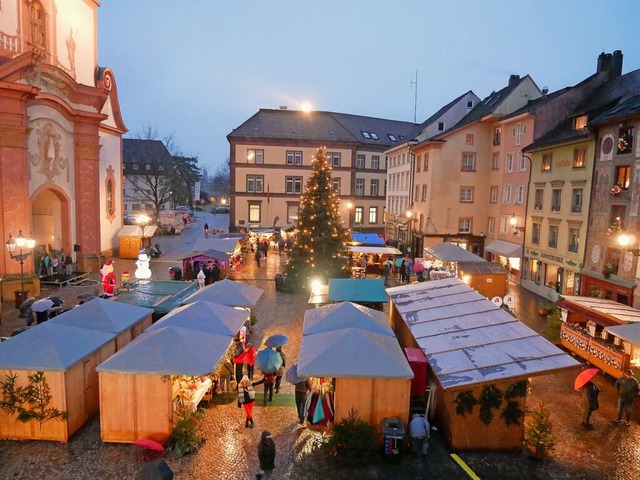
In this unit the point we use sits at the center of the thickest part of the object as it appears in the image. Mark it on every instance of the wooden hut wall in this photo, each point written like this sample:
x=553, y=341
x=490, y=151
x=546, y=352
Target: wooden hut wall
x=490, y=284
x=125, y=337
x=400, y=328
x=74, y=391
x=56, y=430
x=134, y=407
x=373, y=398
x=468, y=432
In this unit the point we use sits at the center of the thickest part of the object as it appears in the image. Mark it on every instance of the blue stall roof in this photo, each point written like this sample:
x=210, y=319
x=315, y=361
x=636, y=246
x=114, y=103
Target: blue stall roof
x=367, y=239
x=357, y=290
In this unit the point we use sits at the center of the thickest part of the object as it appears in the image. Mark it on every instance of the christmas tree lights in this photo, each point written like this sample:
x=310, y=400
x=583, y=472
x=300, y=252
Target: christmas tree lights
x=321, y=245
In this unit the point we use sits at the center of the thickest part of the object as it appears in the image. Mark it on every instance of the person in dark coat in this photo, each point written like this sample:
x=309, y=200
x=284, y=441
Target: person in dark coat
x=589, y=403
x=627, y=389
x=206, y=230
x=268, y=380
x=267, y=454
x=215, y=272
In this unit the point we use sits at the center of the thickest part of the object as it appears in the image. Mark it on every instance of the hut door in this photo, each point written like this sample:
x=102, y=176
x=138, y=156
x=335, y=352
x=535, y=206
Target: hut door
x=91, y=400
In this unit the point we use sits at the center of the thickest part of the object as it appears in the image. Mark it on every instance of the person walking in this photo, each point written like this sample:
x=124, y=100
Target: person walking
x=266, y=455
x=206, y=230
x=403, y=271
x=302, y=389
x=246, y=399
x=409, y=269
x=258, y=255
x=238, y=359
x=226, y=375
x=386, y=271
x=419, y=430
x=589, y=403
x=250, y=359
x=268, y=380
x=627, y=389
x=280, y=371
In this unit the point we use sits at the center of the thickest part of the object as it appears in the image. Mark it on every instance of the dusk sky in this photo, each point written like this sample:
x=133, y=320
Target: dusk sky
x=197, y=69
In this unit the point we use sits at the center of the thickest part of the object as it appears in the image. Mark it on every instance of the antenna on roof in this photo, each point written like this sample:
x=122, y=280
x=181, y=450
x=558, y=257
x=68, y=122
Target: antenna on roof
x=415, y=98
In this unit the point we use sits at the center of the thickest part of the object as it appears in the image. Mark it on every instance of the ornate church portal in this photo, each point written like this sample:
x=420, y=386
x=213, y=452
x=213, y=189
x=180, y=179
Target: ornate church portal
x=60, y=135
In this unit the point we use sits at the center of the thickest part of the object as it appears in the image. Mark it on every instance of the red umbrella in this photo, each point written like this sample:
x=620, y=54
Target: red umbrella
x=418, y=267
x=149, y=444
x=583, y=378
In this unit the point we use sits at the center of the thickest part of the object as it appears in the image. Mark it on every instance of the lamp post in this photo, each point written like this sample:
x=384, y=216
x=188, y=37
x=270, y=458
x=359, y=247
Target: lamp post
x=24, y=246
x=142, y=220
x=626, y=240
x=513, y=221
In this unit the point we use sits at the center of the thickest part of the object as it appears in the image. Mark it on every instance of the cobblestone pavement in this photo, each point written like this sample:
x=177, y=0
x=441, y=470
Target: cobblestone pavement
x=607, y=452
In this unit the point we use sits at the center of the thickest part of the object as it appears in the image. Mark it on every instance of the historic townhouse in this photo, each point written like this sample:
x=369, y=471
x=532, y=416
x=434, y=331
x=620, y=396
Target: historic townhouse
x=560, y=198
x=60, y=133
x=611, y=255
x=271, y=154
x=401, y=192
x=454, y=178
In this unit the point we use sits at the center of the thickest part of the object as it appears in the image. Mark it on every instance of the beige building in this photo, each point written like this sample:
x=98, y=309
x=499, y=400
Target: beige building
x=271, y=155
x=453, y=173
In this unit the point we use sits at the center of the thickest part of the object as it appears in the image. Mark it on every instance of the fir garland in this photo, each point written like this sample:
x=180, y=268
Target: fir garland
x=517, y=389
x=465, y=401
x=512, y=413
x=490, y=399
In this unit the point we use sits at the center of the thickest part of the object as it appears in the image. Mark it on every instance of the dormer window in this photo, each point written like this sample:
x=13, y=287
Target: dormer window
x=580, y=122
x=392, y=138
x=374, y=135
x=366, y=135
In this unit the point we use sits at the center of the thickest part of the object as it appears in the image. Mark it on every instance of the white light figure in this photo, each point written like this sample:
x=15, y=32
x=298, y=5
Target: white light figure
x=143, y=272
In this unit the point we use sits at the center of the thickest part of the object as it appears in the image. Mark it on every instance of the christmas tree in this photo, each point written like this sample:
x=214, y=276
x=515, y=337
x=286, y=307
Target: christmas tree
x=321, y=244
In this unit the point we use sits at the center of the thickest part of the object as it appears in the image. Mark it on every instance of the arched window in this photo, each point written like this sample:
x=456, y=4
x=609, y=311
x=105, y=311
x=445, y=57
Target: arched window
x=110, y=194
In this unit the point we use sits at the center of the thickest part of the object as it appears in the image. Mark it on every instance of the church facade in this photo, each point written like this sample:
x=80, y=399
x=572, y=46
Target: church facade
x=61, y=133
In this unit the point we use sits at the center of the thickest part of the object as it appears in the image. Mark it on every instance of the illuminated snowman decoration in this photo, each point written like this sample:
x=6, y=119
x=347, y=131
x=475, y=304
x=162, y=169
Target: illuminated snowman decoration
x=143, y=272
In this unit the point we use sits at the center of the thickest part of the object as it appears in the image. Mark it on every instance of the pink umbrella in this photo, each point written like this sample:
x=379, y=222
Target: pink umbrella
x=149, y=444
x=419, y=267
x=583, y=377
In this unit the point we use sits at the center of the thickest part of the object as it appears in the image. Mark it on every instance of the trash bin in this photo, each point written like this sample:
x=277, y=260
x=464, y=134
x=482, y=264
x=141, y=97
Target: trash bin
x=20, y=298
x=393, y=433
x=279, y=282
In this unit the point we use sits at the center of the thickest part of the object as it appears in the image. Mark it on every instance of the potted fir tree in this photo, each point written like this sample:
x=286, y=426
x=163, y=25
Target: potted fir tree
x=539, y=438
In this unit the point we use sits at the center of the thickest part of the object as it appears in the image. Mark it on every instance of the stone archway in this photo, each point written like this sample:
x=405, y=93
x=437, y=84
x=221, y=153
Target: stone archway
x=51, y=221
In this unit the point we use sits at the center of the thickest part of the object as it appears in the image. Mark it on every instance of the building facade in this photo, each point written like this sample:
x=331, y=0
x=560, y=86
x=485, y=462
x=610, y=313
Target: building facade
x=60, y=133
x=270, y=160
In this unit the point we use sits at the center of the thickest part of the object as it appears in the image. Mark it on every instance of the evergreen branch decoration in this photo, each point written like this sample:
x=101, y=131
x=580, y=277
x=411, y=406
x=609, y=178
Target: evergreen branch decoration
x=465, y=401
x=30, y=402
x=517, y=389
x=490, y=399
x=512, y=413
x=11, y=394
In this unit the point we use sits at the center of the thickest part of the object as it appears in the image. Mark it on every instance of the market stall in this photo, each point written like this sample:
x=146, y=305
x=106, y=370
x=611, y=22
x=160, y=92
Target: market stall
x=488, y=278
x=227, y=292
x=125, y=321
x=375, y=256
x=355, y=346
x=144, y=384
x=133, y=238
x=479, y=360
x=67, y=357
x=369, y=292
x=227, y=249
x=450, y=255
x=191, y=264
x=586, y=331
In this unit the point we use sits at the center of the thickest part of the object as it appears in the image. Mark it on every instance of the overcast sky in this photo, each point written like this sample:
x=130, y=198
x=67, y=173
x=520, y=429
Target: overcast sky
x=199, y=68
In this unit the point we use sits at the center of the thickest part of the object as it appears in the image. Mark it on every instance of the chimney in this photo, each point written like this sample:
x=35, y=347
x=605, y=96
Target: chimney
x=545, y=90
x=513, y=79
x=604, y=62
x=616, y=64
x=283, y=107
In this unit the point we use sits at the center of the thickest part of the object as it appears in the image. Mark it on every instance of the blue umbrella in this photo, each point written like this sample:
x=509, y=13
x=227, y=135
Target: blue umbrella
x=276, y=340
x=268, y=361
x=292, y=375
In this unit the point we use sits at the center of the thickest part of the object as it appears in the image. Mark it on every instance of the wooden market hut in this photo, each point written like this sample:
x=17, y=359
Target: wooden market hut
x=586, y=327
x=191, y=264
x=68, y=357
x=227, y=292
x=474, y=349
x=123, y=320
x=488, y=278
x=132, y=238
x=355, y=346
x=141, y=385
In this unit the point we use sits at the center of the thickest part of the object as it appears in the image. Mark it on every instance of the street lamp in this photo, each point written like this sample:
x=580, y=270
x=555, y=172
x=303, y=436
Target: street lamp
x=625, y=240
x=142, y=220
x=513, y=221
x=24, y=246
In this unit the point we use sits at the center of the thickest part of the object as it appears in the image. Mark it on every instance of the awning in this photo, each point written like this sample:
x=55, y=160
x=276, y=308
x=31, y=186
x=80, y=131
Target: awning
x=505, y=249
x=629, y=332
x=378, y=250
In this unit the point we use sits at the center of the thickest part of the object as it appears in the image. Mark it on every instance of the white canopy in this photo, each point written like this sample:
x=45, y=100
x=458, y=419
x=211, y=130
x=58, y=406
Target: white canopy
x=50, y=347
x=204, y=317
x=136, y=231
x=345, y=315
x=103, y=315
x=374, y=250
x=450, y=252
x=169, y=351
x=226, y=245
x=227, y=292
x=505, y=249
x=352, y=353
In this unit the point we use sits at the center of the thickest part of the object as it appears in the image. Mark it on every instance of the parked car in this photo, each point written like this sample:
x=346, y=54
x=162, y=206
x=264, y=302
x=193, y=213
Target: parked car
x=222, y=209
x=184, y=208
